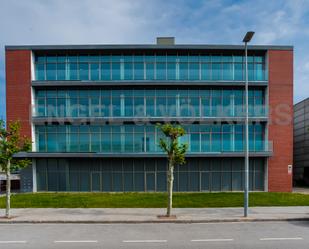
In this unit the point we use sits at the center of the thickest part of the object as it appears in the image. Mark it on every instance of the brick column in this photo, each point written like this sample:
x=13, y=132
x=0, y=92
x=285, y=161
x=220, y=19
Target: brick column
x=280, y=119
x=18, y=88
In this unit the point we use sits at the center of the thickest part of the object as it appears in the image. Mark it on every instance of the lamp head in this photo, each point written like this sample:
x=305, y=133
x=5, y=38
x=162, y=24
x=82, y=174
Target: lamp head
x=248, y=36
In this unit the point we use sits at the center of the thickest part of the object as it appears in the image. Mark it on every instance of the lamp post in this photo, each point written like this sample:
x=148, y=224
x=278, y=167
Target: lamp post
x=246, y=39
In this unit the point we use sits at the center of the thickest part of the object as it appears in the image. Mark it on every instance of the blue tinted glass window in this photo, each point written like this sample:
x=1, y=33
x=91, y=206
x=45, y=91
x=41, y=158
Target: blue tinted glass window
x=83, y=107
x=205, y=142
x=194, y=71
x=83, y=71
x=95, y=142
x=51, y=71
x=128, y=105
x=41, y=141
x=84, y=142
x=227, y=137
x=138, y=70
x=95, y=71
x=184, y=106
x=139, y=108
x=95, y=107
x=73, y=107
x=194, y=106
x=238, y=71
x=161, y=106
x=195, y=142
x=116, y=141
x=72, y=58
x=161, y=71
x=138, y=141
x=216, y=71
x=128, y=71
x=216, y=59
x=52, y=58
x=250, y=71
x=216, y=104
x=105, y=106
x=83, y=58
x=227, y=109
x=171, y=106
x=52, y=143
x=61, y=107
x=73, y=73
x=106, y=141
x=40, y=109
x=259, y=72
x=205, y=106
x=40, y=59
x=61, y=69
x=94, y=58
x=205, y=71
x=116, y=106
x=128, y=144
x=171, y=71
x=150, y=106
x=150, y=71
x=116, y=71
x=227, y=71
x=105, y=71
x=51, y=104
x=183, y=71
x=40, y=72
x=216, y=138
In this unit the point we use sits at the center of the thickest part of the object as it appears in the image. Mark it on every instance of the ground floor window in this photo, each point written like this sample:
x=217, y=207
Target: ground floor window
x=147, y=175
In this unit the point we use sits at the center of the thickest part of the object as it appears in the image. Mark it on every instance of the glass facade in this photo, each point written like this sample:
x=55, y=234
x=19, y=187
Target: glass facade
x=142, y=138
x=206, y=102
x=154, y=67
x=126, y=175
x=217, y=93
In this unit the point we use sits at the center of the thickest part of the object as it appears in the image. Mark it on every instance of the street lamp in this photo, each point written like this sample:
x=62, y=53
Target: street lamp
x=247, y=39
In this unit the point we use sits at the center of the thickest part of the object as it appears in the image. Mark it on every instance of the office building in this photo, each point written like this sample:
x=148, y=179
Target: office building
x=91, y=112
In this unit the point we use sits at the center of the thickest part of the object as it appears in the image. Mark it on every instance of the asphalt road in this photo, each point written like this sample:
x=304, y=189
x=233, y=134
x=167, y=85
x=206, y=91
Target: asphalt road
x=266, y=235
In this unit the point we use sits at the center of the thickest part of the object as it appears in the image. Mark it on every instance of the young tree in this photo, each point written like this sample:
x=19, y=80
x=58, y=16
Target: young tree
x=175, y=155
x=10, y=143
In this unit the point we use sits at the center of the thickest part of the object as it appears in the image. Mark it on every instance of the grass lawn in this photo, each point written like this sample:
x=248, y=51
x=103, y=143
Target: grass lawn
x=151, y=200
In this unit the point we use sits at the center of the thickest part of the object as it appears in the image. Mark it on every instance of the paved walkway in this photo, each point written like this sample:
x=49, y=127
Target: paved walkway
x=301, y=190
x=149, y=215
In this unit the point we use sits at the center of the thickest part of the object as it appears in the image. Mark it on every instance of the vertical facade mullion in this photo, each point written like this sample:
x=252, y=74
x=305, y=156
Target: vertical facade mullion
x=145, y=67
x=89, y=67
x=200, y=67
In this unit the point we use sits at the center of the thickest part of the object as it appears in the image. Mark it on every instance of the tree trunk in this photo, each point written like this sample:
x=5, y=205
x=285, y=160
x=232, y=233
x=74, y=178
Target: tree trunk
x=8, y=190
x=170, y=181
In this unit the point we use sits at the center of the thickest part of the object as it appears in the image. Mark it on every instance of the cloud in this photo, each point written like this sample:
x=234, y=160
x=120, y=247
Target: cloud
x=140, y=21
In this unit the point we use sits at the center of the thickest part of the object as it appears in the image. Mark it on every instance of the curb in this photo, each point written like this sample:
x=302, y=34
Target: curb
x=150, y=221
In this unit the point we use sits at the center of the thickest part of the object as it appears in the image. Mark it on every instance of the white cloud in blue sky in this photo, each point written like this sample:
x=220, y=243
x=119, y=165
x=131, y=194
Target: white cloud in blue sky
x=280, y=22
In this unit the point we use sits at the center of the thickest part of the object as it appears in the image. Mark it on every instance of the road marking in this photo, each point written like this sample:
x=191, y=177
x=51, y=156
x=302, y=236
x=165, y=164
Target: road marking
x=267, y=239
x=13, y=242
x=144, y=241
x=211, y=240
x=75, y=241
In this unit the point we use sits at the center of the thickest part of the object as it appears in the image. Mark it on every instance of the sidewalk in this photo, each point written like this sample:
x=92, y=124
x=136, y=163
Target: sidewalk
x=149, y=215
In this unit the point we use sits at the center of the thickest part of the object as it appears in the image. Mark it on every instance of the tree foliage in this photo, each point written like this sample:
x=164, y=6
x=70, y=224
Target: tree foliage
x=175, y=150
x=11, y=142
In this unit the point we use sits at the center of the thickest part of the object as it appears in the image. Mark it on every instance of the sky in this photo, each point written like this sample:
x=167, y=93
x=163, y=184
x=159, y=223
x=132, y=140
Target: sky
x=277, y=22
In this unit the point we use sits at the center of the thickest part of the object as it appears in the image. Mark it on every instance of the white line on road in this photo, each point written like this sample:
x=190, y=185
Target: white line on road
x=13, y=242
x=267, y=239
x=75, y=241
x=144, y=241
x=211, y=240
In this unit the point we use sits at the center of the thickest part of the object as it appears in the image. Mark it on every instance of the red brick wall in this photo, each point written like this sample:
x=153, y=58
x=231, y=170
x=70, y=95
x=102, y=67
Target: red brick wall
x=281, y=120
x=18, y=88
